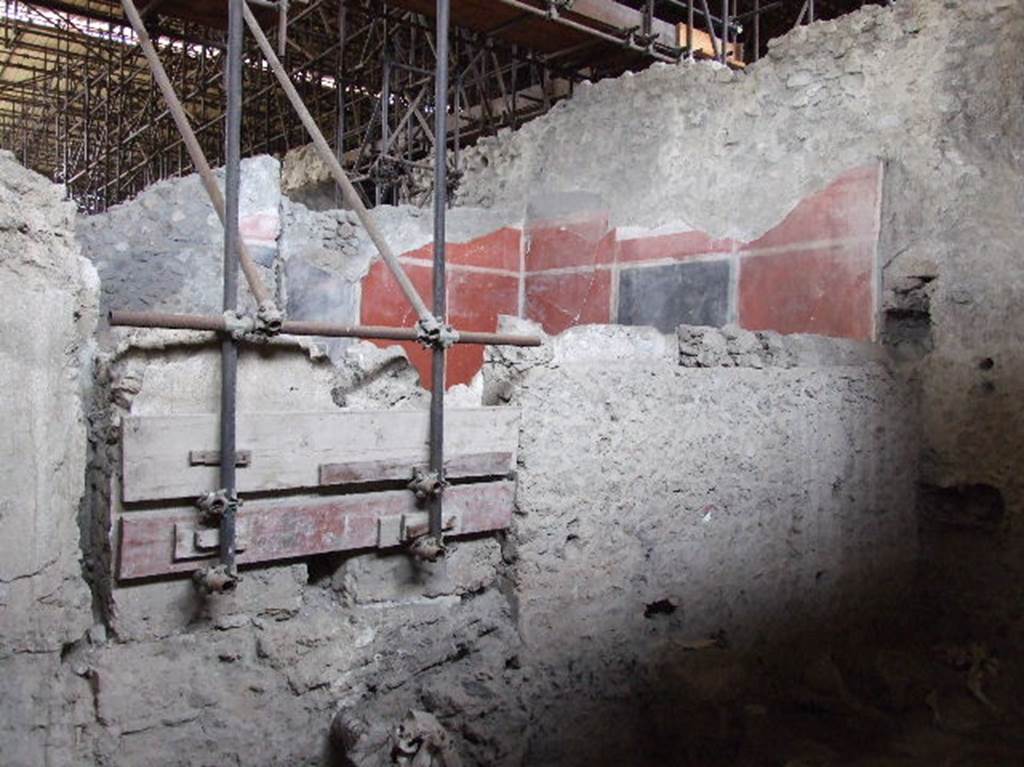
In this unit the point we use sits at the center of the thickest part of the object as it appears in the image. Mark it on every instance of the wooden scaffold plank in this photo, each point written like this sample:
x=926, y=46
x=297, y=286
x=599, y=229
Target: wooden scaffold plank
x=174, y=540
x=282, y=451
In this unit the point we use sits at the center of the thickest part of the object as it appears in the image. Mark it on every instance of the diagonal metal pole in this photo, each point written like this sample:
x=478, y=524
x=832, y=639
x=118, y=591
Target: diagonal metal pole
x=437, y=383
x=327, y=157
x=195, y=153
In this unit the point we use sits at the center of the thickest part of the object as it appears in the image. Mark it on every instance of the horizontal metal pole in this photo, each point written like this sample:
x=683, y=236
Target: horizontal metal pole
x=217, y=323
x=566, y=22
x=684, y=5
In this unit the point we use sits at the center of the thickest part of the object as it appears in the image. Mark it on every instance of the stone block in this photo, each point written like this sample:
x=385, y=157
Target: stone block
x=469, y=567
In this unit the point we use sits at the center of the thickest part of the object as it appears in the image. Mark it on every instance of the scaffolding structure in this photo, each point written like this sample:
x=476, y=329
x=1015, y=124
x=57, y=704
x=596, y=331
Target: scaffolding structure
x=78, y=104
x=220, y=508
x=399, y=95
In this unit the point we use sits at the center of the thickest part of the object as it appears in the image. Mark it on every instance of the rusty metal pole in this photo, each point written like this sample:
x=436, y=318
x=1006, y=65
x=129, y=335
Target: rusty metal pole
x=689, y=29
x=218, y=324
x=340, y=77
x=725, y=31
x=282, y=27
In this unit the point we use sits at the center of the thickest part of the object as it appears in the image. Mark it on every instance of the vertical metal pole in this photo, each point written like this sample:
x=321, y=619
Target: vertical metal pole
x=456, y=107
x=757, y=30
x=440, y=297
x=87, y=105
x=689, y=29
x=735, y=34
x=515, y=89
x=282, y=28
x=385, y=117
x=229, y=347
x=339, y=89
x=107, y=144
x=810, y=11
x=725, y=31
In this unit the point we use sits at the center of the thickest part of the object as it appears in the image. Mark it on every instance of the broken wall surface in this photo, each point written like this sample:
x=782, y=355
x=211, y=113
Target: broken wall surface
x=751, y=495
x=50, y=295
x=712, y=492
x=929, y=89
x=629, y=517
x=558, y=261
x=163, y=250
x=256, y=676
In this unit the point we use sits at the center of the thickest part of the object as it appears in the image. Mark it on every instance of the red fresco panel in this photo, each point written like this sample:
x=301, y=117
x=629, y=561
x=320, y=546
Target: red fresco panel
x=497, y=250
x=847, y=208
x=475, y=300
x=829, y=292
x=581, y=241
x=835, y=296
x=383, y=302
x=560, y=301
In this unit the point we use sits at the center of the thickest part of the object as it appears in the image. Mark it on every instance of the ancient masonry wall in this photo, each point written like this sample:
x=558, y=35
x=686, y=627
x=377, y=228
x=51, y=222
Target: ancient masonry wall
x=929, y=90
x=558, y=261
x=719, y=489
x=646, y=461
x=46, y=350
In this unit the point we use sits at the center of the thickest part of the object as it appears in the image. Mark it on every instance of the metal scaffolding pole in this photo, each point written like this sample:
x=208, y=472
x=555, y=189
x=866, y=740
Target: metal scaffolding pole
x=725, y=31
x=438, y=357
x=66, y=65
x=225, y=576
x=219, y=324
